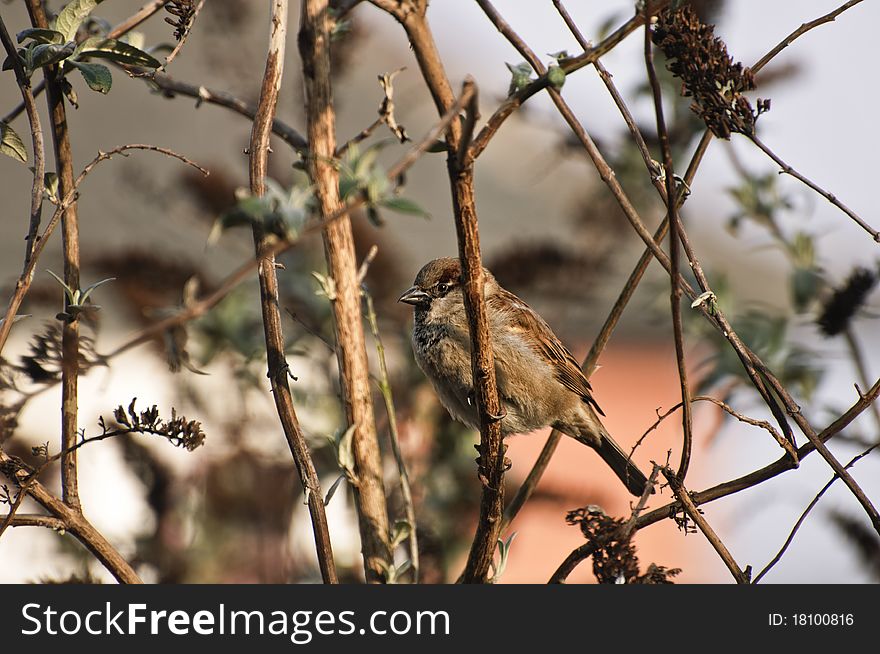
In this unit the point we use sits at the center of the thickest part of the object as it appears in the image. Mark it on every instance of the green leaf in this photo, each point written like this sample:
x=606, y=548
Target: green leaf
x=46, y=54
x=50, y=187
x=521, y=77
x=97, y=76
x=118, y=51
x=404, y=205
x=72, y=16
x=556, y=77
x=41, y=36
x=11, y=144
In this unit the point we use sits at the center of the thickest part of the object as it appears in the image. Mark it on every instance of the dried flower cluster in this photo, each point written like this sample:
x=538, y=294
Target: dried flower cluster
x=614, y=559
x=183, y=11
x=845, y=301
x=708, y=72
x=178, y=430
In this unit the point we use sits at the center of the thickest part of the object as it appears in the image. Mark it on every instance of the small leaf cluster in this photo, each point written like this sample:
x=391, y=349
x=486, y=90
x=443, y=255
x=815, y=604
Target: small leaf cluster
x=280, y=212
x=360, y=176
x=76, y=298
x=57, y=45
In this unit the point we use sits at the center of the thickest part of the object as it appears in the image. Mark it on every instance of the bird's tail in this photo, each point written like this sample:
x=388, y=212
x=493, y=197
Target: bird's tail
x=589, y=430
x=621, y=464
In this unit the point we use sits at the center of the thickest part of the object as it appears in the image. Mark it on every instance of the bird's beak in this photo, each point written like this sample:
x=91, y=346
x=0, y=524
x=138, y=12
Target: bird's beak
x=415, y=296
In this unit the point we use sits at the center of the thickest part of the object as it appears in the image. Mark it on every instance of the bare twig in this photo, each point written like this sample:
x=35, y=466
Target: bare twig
x=70, y=250
x=24, y=281
x=171, y=87
x=694, y=514
x=858, y=359
x=800, y=31
x=39, y=167
x=183, y=36
x=274, y=337
x=314, y=45
x=784, y=464
x=625, y=532
x=788, y=170
x=800, y=521
x=674, y=229
x=31, y=520
x=74, y=521
x=496, y=120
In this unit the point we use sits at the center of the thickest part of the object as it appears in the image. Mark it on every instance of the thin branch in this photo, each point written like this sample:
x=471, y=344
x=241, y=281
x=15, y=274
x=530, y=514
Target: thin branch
x=800, y=521
x=694, y=514
x=788, y=170
x=171, y=87
x=858, y=359
x=369, y=492
x=24, y=281
x=625, y=532
x=385, y=388
x=774, y=469
x=183, y=37
x=274, y=337
x=34, y=520
x=569, y=66
x=75, y=522
x=461, y=177
x=39, y=167
x=687, y=420
x=800, y=31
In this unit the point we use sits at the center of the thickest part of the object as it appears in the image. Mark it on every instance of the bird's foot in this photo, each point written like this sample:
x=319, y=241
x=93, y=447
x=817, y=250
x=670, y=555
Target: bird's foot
x=472, y=401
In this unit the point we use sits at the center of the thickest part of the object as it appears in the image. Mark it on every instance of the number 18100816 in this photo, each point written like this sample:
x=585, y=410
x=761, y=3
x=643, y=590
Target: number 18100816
x=811, y=620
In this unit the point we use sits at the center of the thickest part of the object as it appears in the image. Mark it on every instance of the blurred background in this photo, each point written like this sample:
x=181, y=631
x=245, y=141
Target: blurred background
x=232, y=510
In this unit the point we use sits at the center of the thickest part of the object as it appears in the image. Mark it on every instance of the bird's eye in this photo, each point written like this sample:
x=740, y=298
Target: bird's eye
x=442, y=288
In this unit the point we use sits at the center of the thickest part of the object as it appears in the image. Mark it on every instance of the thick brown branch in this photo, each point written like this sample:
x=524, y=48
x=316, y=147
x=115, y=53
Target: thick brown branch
x=314, y=47
x=74, y=521
x=70, y=243
x=268, y=276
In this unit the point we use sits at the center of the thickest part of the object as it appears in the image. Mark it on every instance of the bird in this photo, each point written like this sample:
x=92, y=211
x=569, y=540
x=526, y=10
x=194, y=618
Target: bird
x=539, y=382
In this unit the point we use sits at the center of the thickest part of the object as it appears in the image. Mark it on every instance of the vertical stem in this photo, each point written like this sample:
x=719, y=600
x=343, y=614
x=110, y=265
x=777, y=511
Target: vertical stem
x=70, y=235
x=687, y=503
x=278, y=367
x=461, y=177
x=393, y=436
x=314, y=47
x=858, y=358
x=674, y=256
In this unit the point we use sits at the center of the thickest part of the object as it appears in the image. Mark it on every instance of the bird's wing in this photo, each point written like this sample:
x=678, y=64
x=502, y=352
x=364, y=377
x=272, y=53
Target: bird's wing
x=520, y=317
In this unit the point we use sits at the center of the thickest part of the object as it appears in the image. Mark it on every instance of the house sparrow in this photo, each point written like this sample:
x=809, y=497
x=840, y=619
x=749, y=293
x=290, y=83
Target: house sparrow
x=539, y=381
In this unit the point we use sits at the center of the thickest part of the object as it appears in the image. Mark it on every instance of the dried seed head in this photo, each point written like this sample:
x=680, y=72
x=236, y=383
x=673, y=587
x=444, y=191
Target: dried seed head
x=845, y=301
x=708, y=72
x=183, y=11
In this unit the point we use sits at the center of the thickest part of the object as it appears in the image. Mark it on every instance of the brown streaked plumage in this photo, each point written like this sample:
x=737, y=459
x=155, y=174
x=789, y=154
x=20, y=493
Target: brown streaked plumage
x=540, y=383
